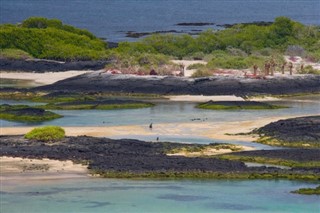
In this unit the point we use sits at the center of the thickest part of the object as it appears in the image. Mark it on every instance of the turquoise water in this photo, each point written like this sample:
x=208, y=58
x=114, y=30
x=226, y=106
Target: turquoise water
x=103, y=195
x=113, y=195
x=17, y=83
x=173, y=112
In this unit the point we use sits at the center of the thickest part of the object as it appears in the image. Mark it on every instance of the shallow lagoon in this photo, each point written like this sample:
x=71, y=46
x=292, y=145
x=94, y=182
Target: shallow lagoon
x=174, y=112
x=117, y=195
x=110, y=195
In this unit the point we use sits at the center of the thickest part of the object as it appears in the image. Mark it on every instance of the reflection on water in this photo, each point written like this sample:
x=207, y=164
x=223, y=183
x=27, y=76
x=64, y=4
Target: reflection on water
x=17, y=83
x=192, y=139
x=108, y=195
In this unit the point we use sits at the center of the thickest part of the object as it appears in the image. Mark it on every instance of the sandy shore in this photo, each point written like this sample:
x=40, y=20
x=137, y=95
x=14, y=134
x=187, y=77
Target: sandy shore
x=42, y=78
x=216, y=130
x=35, y=169
x=211, y=152
x=186, y=63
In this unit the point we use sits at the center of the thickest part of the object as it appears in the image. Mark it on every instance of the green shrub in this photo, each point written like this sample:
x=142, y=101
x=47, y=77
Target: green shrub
x=202, y=73
x=196, y=66
x=309, y=70
x=49, y=39
x=47, y=133
x=14, y=54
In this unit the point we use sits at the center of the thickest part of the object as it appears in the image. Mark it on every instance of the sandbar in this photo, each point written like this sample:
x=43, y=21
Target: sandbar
x=214, y=130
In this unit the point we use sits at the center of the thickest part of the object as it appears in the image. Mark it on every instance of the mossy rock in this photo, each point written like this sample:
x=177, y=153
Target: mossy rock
x=237, y=105
x=98, y=104
x=308, y=191
x=47, y=133
x=24, y=113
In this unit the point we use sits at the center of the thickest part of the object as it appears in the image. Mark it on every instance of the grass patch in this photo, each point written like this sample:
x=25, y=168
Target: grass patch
x=17, y=95
x=295, y=144
x=273, y=161
x=47, y=133
x=23, y=113
x=14, y=54
x=58, y=97
x=88, y=106
x=237, y=105
x=201, y=149
x=284, y=95
x=206, y=175
x=308, y=191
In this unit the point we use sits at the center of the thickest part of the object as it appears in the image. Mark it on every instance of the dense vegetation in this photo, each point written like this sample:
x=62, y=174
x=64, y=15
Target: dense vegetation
x=238, y=47
x=23, y=113
x=47, y=133
x=50, y=39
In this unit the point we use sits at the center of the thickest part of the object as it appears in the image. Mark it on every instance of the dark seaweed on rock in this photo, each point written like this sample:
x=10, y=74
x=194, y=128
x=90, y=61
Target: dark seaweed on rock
x=304, y=129
x=115, y=155
x=301, y=155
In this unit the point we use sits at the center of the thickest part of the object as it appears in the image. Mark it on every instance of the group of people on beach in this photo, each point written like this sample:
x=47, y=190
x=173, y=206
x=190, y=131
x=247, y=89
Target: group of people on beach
x=270, y=68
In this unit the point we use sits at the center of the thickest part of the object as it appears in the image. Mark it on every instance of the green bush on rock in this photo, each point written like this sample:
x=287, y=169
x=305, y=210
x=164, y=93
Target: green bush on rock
x=47, y=133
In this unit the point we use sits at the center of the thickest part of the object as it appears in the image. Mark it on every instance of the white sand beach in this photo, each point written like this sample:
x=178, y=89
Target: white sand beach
x=16, y=168
x=42, y=78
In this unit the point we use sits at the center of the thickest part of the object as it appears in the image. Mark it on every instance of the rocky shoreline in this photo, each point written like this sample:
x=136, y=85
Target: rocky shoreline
x=169, y=85
x=106, y=156
x=302, y=131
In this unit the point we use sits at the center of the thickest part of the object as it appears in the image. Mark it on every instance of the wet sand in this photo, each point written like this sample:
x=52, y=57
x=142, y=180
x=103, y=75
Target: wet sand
x=216, y=130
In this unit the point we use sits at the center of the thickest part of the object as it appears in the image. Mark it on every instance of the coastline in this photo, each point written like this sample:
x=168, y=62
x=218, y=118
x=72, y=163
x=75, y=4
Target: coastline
x=42, y=78
x=21, y=169
x=220, y=131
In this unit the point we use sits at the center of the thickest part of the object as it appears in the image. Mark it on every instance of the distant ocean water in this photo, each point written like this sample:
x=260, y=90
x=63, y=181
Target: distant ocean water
x=112, y=18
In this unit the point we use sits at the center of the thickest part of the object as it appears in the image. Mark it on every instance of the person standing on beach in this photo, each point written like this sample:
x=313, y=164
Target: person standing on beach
x=273, y=66
x=301, y=68
x=283, y=66
x=255, y=69
x=290, y=68
x=266, y=68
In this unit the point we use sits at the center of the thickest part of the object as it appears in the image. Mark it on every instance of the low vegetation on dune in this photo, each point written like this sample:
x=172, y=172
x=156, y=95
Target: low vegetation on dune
x=24, y=113
x=47, y=133
x=238, y=47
